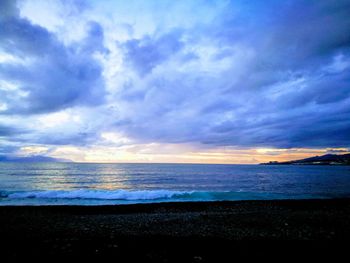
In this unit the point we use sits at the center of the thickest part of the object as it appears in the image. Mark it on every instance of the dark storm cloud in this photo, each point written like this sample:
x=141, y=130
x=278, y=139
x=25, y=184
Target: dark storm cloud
x=294, y=90
x=6, y=131
x=94, y=40
x=8, y=8
x=79, y=139
x=49, y=75
x=146, y=53
x=308, y=32
x=257, y=74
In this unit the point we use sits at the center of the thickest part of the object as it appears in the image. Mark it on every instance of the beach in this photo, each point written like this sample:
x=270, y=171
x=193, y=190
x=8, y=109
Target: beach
x=175, y=232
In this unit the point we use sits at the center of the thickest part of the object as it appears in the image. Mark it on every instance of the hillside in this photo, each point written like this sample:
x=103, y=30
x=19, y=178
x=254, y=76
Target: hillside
x=328, y=159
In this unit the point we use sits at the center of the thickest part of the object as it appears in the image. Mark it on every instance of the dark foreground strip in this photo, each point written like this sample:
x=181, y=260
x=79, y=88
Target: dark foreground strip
x=178, y=232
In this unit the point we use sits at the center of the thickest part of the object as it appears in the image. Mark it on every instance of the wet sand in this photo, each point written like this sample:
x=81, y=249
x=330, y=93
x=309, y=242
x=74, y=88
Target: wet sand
x=178, y=232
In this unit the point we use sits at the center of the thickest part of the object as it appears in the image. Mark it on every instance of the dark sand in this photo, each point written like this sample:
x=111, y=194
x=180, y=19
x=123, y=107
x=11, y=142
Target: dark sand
x=178, y=232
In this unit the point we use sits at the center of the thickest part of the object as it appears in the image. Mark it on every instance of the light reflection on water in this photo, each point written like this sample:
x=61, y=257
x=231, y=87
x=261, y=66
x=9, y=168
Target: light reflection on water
x=260, y=180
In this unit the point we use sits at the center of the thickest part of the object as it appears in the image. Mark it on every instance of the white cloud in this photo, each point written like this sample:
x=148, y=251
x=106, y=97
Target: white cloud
x=198, y=73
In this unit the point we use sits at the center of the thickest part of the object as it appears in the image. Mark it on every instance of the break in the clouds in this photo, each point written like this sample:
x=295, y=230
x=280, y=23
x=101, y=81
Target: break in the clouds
x=115, y=80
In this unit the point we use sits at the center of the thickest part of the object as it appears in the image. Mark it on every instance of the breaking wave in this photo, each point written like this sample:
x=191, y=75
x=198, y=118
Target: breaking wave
x=121, y=196
x=100, y=194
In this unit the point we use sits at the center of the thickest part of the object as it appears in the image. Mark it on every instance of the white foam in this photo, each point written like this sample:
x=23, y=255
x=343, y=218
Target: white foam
x=100, y=194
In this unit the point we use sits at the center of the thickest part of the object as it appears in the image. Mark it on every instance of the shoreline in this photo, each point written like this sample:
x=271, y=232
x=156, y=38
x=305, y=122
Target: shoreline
x=149, y=206
x=174, y=231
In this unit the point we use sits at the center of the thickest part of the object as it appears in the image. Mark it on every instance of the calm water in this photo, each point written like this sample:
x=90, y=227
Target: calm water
x=98, y=184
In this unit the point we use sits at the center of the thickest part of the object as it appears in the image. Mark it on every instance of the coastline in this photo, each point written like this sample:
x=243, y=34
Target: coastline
x=162, y=232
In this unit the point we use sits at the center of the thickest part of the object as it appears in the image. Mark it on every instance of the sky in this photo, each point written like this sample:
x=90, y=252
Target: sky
x=174, y=81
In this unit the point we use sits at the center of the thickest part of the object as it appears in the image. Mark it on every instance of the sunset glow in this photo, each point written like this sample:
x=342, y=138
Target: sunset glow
x=174, y=81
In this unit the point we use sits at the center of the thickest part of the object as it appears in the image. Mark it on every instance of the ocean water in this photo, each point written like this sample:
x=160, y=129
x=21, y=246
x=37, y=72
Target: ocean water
x=106, y=184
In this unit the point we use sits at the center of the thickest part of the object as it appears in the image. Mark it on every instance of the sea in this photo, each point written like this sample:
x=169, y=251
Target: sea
x=110, y=184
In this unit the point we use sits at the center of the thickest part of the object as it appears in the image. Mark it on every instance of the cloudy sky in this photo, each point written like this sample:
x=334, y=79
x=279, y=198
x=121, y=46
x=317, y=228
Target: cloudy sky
x=174, y=81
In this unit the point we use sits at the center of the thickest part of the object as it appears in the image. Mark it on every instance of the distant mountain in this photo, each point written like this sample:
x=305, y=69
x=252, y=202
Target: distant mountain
x=31, y=159
x=328, y=159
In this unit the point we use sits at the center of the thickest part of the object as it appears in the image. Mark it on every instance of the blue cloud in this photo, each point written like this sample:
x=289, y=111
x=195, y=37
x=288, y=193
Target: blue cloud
x=282, y=98
x=6, y=131
x=249, y=76
x=53, y=76
x=146, y=53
